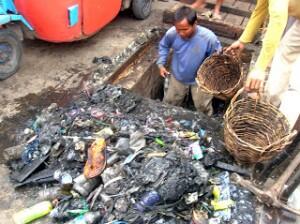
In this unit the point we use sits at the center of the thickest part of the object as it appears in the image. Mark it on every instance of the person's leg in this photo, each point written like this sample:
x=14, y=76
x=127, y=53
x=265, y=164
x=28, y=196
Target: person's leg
x=284, y=58
x=289, y=24
x=202, y=101
x=176, y=92
x=217, y=9
x=216, y=13
x=290, y=101
x=198, y=4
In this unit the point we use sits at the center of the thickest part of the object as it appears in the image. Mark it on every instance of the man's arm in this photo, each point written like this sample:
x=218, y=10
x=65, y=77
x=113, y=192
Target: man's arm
x=164, y=48
x=257, y=18
x=278, y=11
x=165, y=45
x=214, y=45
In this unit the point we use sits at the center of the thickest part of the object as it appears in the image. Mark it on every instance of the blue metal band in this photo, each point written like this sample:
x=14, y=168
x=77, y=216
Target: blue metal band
x=73, y=15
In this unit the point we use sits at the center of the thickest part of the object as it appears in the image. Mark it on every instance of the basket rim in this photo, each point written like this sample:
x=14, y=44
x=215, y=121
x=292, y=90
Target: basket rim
x=226, y=91
x=216, y=92
x=286, y=138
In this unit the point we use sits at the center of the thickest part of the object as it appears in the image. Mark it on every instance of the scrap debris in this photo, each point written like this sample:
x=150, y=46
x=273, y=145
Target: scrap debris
x=115, y=157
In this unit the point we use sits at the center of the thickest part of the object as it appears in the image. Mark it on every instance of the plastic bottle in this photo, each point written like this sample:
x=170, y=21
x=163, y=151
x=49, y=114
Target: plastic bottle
x=64, y=178
x=84, y=186
x=87, y=218
x=148, y=200
x=205, y=140
x=222, y=201
x=49, y=193
x=196, y=150
x=35, y=212
x=166, y=84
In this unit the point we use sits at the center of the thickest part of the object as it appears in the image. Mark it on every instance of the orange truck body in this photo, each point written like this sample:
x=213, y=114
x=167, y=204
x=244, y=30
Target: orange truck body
x=67, y=20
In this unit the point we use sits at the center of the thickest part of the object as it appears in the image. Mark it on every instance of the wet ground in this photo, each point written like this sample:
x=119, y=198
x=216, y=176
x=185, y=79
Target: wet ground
x=52, y=73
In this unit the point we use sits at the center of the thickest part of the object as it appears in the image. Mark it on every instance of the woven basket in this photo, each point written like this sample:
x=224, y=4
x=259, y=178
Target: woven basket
x=220, y=75
x=255, y=131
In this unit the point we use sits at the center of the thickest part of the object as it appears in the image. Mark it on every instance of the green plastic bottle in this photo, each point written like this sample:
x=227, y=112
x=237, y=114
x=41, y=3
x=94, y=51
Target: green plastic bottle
x=35, y=212
x=87, y=218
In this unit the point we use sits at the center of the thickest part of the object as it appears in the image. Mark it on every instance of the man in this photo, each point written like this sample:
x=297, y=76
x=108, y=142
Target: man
x=283, y=85
x=191, y=45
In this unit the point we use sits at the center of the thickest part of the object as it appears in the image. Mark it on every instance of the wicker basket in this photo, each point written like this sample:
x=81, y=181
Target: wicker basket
x=255, y=131
x=220, y=75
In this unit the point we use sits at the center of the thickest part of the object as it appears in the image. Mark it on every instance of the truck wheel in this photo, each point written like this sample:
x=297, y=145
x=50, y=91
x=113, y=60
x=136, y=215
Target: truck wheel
x=10, y=53
x=141, y=8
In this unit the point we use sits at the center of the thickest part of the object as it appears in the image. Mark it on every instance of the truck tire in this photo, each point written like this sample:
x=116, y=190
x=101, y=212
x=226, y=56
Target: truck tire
x=141, y=8
x=10, y=53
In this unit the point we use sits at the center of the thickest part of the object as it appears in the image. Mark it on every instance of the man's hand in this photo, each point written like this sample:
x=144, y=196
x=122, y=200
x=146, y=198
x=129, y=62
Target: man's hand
x=163, y=71
x=236, y=47
x=255, y=80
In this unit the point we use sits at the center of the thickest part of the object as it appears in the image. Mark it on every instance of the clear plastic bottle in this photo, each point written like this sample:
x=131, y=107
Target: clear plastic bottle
x=84, y=186
x=49, y=193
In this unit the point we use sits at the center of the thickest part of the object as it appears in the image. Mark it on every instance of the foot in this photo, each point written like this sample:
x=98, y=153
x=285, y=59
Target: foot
x=216, y=17
x=211, y=15
x=208, y=14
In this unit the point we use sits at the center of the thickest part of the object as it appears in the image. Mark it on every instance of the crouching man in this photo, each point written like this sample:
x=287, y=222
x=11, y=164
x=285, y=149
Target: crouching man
x=191, y=45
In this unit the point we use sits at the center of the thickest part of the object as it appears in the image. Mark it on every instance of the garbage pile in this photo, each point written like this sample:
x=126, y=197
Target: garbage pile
x=115, y=157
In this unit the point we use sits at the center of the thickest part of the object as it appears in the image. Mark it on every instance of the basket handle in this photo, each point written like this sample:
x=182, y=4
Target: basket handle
x=239, y=92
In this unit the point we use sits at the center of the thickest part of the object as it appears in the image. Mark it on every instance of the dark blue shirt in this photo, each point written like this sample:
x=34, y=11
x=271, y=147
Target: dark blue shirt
x=188, y=54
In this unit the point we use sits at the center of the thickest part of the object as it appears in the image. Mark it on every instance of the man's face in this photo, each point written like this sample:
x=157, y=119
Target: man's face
x=184, y=29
